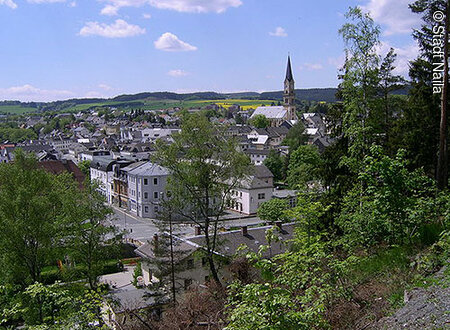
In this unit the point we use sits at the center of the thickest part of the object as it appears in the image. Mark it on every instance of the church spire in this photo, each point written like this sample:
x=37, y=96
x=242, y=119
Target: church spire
x=289, y=93
x=289, y=76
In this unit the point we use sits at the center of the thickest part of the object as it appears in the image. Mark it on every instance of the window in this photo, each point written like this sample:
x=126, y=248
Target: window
x=156, y=209
x=146, y=209
x=262, y=196
x=190, y=263
x=145, y=181
x=155, y=195
x=155, y=181
x=187, y=283
x=146, y=195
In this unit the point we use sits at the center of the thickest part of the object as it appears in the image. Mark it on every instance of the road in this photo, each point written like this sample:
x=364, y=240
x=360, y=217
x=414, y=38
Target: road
x=143, y=229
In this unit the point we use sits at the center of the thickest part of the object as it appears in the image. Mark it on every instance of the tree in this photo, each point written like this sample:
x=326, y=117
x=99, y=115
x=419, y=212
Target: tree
x=275, y=164
x=360, y=80
x=296, y=287
x=304, y=166
x=165, y=254
x=85, y=167
x=386, y=209
x=442, y=165
x=295, y=137
x=205, y=167
x=273, y=210
x=388, y=83
x=260, y=121
x=87, y=236
x=30, y=210
x=421, y=122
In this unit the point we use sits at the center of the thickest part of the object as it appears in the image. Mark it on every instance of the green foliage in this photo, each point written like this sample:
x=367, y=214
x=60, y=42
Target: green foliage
x=205, y=167
x=30, y=209
x=307, y=214
x=295, y=137
x=91, y=240
x=55, y=306
x=85, y=167
x=136, y=273
x=390, y=203
x=360, y=80
x=15, y=135
x=275, y=163
x=304, y=166
x=297, y=288
x=273, y=210
x=260, y=121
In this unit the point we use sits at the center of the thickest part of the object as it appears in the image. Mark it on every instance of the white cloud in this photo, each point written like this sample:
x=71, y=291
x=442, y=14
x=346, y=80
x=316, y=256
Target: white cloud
x=119, y=29
x=196, y=6
x=94, y=95
x=9, y=3
x=105, y=87
x=170, y=43
x=395, y=15
x=177, y=73
x=109, y=10
x=337, y=62
x=279, y=32
x=404, y=55
x=45, y=1
x=187, y=6
x=146, y=16
x=311, y=66
x=73, y=4
x=30, y=93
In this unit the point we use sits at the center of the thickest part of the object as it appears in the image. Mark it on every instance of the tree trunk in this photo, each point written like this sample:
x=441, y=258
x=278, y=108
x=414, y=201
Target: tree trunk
x=172, y=261
x=442, y=167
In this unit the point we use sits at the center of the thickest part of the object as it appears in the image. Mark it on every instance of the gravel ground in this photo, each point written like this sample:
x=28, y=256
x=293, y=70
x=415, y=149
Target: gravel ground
x=425, y=308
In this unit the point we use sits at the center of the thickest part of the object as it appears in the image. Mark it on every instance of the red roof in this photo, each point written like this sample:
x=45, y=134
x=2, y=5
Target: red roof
x=58, y=167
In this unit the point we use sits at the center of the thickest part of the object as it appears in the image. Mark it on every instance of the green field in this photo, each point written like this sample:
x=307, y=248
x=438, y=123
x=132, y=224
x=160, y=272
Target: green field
x=170, y=104
x=146, y=104
x=15, y=109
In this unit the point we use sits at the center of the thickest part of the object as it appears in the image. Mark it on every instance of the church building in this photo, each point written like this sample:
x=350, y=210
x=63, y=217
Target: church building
x=277, y=115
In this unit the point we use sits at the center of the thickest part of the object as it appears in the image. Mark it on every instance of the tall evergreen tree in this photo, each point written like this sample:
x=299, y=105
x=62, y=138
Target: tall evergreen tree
x=421, y=122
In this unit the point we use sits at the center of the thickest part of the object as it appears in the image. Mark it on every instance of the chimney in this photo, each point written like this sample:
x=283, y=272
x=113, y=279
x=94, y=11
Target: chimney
x=198, y=230
x=279, y=224
x=244, y=230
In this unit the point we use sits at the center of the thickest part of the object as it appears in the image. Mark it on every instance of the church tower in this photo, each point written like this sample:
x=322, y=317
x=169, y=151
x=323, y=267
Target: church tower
x=289, y=93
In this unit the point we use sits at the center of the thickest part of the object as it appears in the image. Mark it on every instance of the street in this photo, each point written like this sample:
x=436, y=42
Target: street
x=143, y=229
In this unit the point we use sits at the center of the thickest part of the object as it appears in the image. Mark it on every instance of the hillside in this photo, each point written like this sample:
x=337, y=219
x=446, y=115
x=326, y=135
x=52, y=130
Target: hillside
x=168, y=100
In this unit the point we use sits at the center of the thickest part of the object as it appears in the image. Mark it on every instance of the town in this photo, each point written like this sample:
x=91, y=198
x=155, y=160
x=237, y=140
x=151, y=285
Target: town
x=312, y=208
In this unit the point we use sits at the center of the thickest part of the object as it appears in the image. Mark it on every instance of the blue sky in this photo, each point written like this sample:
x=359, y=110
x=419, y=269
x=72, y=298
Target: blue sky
x=59, y=49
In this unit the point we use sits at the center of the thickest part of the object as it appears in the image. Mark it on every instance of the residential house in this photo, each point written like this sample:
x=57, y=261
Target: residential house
x=257, y=157
x=146, y=189
x=120, y=182
x=252, y=191
x=62, y=166
x=190, y=262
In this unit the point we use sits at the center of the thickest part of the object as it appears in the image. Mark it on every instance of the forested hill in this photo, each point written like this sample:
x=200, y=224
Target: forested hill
x=314, y=94
x=163, y=100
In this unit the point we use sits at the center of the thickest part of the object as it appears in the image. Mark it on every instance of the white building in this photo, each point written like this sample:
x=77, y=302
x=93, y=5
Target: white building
x=101, y=172
x=252, y=191
x=146, y=189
